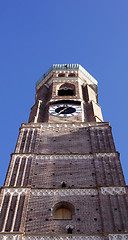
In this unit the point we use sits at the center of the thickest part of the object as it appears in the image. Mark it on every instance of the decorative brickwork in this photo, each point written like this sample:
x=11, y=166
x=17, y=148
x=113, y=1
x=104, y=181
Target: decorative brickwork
x=118, y=236
x=12, y=208
x=113, y=190
x=14, y=191
x=65, y=180
x=9, y=237
x=66, y=192
x=63, y=238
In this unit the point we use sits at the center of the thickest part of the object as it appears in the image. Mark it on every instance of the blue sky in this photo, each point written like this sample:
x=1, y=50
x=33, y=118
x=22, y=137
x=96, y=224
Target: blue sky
x=36, y=34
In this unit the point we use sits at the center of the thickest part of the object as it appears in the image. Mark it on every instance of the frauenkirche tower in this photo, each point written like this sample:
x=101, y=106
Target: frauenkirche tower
x=65, y=180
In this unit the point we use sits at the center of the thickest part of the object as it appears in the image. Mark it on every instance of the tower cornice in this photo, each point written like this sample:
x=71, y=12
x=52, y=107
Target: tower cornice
x=65, y=68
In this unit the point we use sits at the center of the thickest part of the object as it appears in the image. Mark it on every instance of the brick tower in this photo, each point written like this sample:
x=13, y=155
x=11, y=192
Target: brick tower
x=64, y=180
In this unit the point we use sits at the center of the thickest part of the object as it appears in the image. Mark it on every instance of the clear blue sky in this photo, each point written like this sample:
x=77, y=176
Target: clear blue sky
x=34, y=34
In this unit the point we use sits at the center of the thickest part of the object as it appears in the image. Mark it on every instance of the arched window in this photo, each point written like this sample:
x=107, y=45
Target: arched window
x=61, y=75
x=63, y=211
x=63, y=214
x=63, y=184
x=71, y=75
x=66, y=89
x=69, y=230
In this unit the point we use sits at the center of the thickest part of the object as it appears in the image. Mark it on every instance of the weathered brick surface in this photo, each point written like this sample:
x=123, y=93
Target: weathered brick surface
x=64, y=140
x=55, y=119
x=78, y=151
x=85, y=219
x=92, y=214
x=114, y=213
x=92, y=171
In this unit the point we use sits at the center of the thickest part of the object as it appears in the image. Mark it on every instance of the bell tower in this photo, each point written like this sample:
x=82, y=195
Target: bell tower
x=69, y=95
x=65, y=180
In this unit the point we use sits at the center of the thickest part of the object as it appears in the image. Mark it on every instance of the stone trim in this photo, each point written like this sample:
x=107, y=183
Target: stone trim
x=17, y=194
x=65, y=157
x=62, y=125
x=38, y=110
x=60, y=99
x=64, y=192
x=65, y=79
x=29, y=126
x=14, y=157
x=62, y=238
x=19, y=140
x=113, y=190
x=9, y=237
x=14, y=191
x=99, y=127
x=118, y=236
x=21, y=155
x=112, y=154
x=73, y=125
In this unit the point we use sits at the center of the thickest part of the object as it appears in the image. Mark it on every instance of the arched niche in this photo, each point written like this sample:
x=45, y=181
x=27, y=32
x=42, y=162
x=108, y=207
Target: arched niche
x=66, y=89
x=71, y=75
x=63, y=211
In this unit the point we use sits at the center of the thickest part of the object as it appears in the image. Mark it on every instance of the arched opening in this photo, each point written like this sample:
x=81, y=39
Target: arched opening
x=66, y=89
x=61, y=75
x=63, y=184
x=63, y=211
x=69, y=230
x=71, y=75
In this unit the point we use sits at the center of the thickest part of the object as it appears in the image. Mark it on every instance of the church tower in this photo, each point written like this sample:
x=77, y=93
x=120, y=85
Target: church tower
x=65, y=180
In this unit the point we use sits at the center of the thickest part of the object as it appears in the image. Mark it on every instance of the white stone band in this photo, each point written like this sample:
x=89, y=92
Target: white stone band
x=64, y=192
x=68, y=157
x=113, y=190
x=9, y=237
x=63, y=238
x=118, y=236
x=64, y=125
x=106, y=154
x=14, y=191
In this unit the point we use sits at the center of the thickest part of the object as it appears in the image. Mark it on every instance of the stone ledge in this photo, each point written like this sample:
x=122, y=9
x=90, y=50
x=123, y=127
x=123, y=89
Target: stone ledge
x=65, y=192
x=62, y=125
